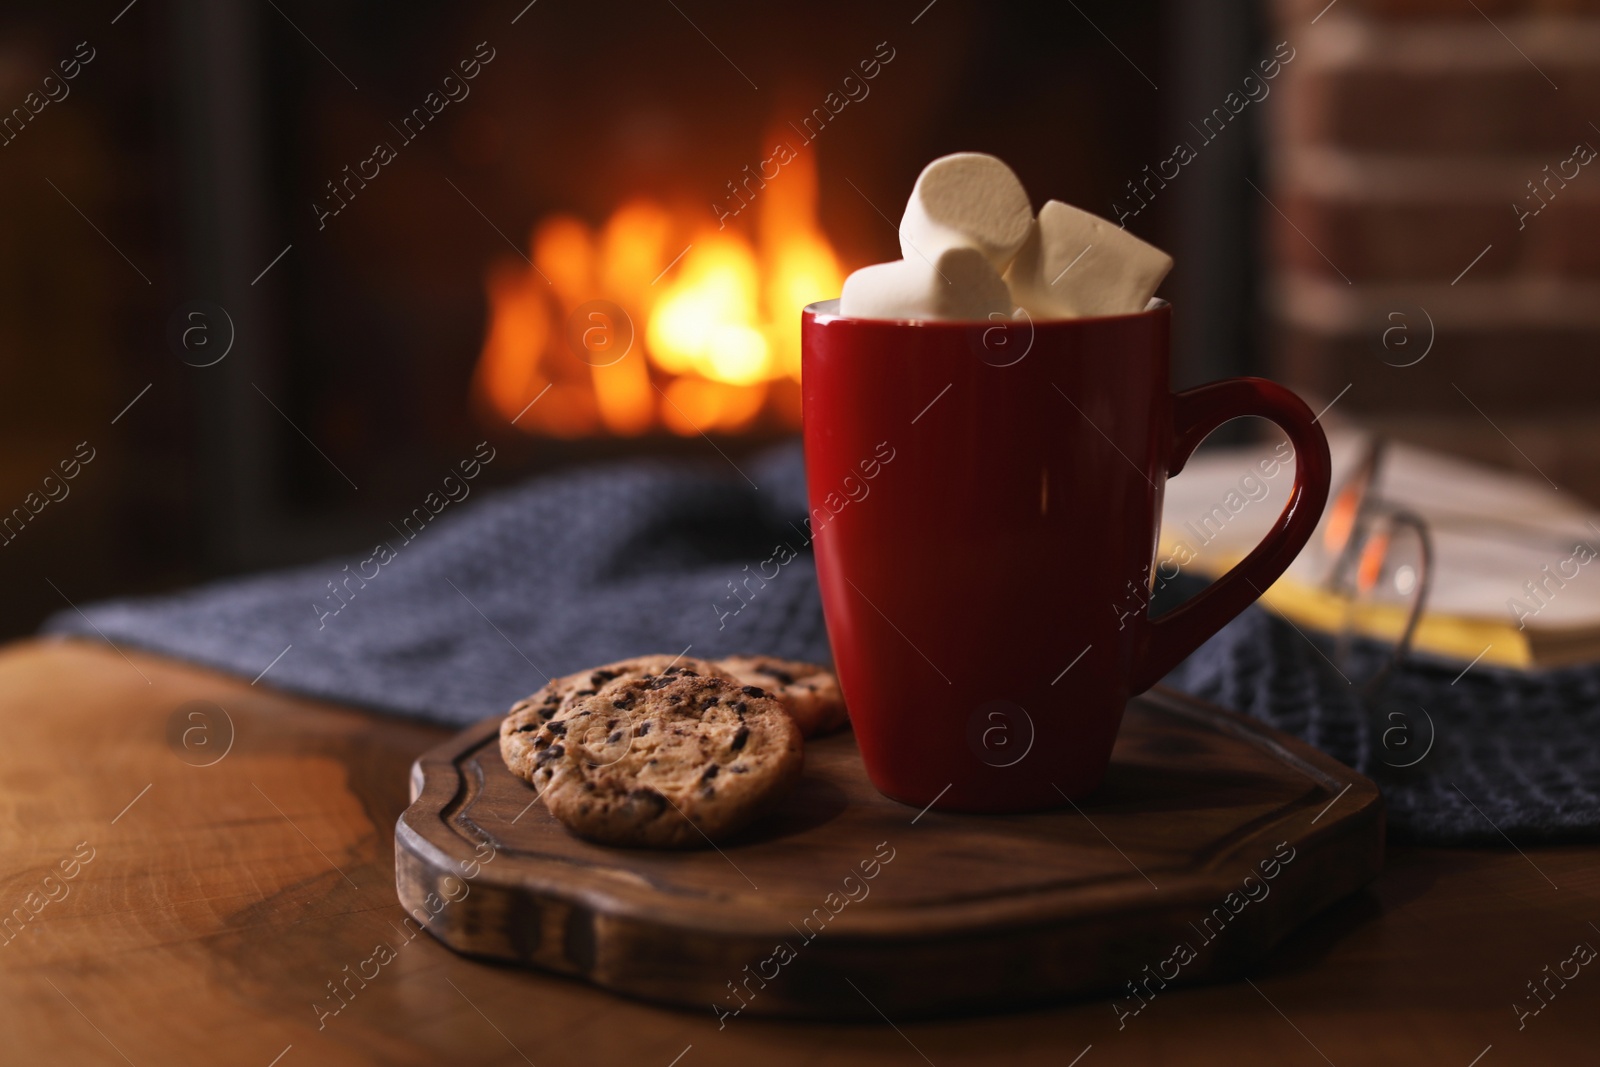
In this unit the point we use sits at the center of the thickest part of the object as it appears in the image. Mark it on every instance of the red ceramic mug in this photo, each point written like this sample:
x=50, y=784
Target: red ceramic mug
x=985, y=506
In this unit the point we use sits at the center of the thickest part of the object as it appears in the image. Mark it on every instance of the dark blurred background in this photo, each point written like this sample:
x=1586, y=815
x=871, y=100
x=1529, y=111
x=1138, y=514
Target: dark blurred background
x=177, y=171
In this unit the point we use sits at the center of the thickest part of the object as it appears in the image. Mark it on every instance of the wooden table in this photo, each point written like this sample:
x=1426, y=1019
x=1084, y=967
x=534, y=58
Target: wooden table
x=217, y=902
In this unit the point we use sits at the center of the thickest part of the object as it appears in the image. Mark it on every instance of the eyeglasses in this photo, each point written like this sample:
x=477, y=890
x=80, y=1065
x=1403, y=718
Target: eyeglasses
x=1383, y=562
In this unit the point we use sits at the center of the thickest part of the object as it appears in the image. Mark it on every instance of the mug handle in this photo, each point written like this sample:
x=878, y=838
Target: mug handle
x=1195, y=413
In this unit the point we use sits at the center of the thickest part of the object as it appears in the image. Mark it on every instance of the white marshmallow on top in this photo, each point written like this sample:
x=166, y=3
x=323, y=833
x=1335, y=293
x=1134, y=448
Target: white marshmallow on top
x=1076, y=264
x=960, y=284
x=967, y=199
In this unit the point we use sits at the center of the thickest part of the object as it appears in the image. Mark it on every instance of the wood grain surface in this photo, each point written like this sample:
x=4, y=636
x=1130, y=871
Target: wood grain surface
x=216, y=909
x=1212, y=837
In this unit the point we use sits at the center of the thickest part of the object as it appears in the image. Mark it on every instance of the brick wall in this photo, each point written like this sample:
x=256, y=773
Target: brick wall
x=1406, y=132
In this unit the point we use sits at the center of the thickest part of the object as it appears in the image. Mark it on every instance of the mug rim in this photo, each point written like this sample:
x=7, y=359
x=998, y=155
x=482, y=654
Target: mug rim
x=824, y=312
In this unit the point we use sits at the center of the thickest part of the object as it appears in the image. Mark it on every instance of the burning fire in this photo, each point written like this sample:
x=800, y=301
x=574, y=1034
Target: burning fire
x=658, y=320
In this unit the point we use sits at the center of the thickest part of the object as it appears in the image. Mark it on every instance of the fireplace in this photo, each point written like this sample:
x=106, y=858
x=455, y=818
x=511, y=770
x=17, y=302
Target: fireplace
x=571, y=232
x=579, y=254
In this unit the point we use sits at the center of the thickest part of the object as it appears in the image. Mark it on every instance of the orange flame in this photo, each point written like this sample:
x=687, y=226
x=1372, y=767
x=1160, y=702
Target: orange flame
x=658, y=320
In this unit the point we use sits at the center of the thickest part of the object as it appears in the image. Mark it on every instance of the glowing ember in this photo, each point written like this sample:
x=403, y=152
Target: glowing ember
x=658, y=320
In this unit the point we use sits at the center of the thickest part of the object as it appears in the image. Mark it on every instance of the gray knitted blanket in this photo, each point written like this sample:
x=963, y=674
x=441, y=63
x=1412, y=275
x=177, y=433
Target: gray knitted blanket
x=455, y=620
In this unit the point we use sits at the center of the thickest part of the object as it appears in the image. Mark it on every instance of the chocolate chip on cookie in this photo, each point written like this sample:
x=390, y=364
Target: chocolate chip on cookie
x=809, y=691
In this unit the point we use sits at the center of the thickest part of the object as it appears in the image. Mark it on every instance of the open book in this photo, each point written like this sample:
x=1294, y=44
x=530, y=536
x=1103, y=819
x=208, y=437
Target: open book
x=1515, y=579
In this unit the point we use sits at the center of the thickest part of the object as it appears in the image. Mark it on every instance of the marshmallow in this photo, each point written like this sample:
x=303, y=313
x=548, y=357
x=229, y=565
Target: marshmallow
x=960, y=284
x=1076, y=264
x=967, y=199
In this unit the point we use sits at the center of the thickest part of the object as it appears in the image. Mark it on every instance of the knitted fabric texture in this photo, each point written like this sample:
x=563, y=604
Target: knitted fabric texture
x=481, y=606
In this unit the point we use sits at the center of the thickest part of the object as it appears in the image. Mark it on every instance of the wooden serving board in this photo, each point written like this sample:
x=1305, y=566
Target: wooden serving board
x=1212, y=832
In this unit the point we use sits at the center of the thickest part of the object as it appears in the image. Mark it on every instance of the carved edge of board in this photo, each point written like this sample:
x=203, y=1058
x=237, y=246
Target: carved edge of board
x=978, y=958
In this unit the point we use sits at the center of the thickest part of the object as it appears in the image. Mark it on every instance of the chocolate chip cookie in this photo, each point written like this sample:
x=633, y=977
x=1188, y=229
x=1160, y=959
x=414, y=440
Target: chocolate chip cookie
x=810, y=691
x=518, y=730
x=668, y=760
